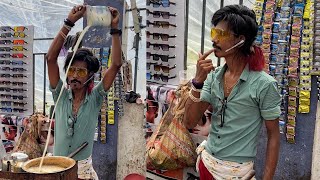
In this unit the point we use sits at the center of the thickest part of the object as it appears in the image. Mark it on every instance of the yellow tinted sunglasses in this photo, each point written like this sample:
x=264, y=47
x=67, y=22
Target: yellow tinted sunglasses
x=220, y=34
x=81, y=72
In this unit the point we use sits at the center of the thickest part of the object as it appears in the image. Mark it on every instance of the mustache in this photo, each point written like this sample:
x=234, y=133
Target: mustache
x=75, y=81
x=215, y=46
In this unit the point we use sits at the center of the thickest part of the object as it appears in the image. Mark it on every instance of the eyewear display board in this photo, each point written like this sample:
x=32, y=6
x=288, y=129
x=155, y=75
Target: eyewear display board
x=165, y=41
x=16, y=71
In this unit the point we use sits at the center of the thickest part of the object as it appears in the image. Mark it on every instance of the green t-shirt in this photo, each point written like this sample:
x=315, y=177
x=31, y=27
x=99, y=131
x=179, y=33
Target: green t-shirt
x=254, y=97
x=84, y=127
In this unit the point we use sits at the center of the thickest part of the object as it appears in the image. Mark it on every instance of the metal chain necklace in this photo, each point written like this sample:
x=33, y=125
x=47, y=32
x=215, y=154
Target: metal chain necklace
x=228, y=89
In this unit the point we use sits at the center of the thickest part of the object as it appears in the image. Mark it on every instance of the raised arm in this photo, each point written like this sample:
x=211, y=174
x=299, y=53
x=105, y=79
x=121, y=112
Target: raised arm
x=52, y=56
x=116, y=57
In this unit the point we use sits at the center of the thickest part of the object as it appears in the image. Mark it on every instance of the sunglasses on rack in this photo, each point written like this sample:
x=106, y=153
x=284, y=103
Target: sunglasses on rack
x=157, y=36
x=10, y=103
x=13, y=76
x=158, y=24
x=8, y=96
x=158, y=14
x=158, y=3
x=164, y=47
x=156, y=57
x=6, y=28
x=19, y=28
x=5, y=42
x=220, y=34
x=12, y=110
x=159, y=77
x=13, y=62
x=19, y=42
x=159, y=67
x=13, y=69
x=12, y=83
x=18, y=55
x=81, y=72
x=19, y=48
x=15, y=34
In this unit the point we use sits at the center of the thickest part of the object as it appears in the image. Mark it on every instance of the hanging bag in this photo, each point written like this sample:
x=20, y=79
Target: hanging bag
x=171, y=146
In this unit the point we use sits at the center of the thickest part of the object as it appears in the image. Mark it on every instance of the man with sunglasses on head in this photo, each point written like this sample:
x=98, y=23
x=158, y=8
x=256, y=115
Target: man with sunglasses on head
x=243, y=97
x=77, y=111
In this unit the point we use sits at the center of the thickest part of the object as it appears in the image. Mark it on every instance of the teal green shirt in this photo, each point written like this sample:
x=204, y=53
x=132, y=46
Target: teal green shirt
x=84, y=127
x=254, y=98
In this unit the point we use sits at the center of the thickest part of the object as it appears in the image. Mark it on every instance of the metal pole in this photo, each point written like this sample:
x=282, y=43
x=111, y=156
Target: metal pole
x=221, y=6
x=186, y=35
x=45, y=83
x=33, y=78
x=203, y=26
x=136, y=62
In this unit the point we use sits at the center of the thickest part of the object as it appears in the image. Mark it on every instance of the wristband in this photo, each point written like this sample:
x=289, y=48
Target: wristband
x=196, y=84
x=115, y=31
x=68, y=22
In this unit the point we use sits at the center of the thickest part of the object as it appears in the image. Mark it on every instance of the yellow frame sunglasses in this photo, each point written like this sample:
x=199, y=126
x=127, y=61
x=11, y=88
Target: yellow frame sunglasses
x=220, y=34
x=81, y=72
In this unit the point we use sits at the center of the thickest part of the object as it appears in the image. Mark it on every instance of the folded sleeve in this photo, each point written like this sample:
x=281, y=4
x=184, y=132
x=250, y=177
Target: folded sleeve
x=270, y=101
x=206, y=90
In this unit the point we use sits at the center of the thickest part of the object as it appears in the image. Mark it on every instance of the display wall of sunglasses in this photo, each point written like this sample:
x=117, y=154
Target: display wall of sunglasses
x=14, y=48
x=159, y=67
x=15, y=28
x=8, y=96
x=16, y=42
x=18, y=55
x=13, y=103
x=12, y=83
x=15, y=35
x=158, y=14
x=13, y=69
x=156, y=57
x=158, y=3
x=156, y=46
x=12, y=110
x=157, y=36
x=13, y=76
x=13, y=62
x=159, y=77
x=158, y=24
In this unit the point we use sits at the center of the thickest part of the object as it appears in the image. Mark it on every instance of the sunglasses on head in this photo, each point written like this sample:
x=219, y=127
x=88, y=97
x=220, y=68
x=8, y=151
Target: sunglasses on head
x=159, y=77
x=156, y=57
x=157, y=36
x=158, y=3
x=158, y=14
x=220, y=34
x=81, y=72
x=158, y=24
x=13, y=62
x=164, y=47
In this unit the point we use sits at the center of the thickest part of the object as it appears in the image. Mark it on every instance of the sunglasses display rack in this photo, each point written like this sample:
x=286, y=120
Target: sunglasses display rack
x=16, y=70
x=165, y=41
